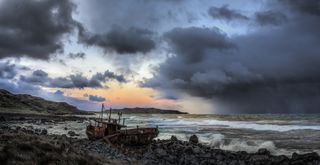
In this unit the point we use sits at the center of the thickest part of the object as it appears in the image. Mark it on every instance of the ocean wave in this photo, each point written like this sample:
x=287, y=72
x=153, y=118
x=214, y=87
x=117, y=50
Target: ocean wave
x=178, y=122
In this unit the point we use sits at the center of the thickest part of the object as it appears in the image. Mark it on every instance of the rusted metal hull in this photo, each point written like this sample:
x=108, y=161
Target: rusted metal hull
x=139, y=136
x=95, y=132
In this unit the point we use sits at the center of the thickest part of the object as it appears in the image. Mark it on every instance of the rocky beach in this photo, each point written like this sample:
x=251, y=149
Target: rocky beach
x=31, y=145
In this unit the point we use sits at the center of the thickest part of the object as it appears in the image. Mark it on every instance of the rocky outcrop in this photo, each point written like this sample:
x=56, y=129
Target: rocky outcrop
x=181, y=152
x=26, y=148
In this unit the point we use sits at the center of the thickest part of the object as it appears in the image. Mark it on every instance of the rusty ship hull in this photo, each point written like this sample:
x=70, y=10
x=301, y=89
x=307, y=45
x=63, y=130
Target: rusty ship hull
x=111, y=131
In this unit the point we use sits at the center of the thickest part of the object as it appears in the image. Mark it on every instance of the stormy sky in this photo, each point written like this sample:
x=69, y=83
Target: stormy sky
x=199, y=56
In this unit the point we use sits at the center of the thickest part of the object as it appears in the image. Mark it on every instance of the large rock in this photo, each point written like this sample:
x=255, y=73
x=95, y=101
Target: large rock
x=194, y=139
x=44, y=132
x=161, y=152
x=188, y=150
x=308, y=156
x=72, y=133
x=2, y=118
x=174, y=138
x=263, y=151
x=279, y=159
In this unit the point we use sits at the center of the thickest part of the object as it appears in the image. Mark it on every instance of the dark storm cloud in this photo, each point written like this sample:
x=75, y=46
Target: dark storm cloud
x=7, y=70
x=270, y=70
x=142, y=14
x=34, y=28
x=41, y=78
x=37, y=77
x=80, y=55
x=311, y=7
x=108, y=75
x=270, y=18
x=225, y=13
x=96, y=98
x=131, y=40
x=193, y=43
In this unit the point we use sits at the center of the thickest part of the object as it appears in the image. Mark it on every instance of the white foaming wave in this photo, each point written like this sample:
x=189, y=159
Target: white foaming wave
x=254, y=146
x=231, y=124
x=261, y=127
x=180, y=136
x=212, y=139
x=219, y=141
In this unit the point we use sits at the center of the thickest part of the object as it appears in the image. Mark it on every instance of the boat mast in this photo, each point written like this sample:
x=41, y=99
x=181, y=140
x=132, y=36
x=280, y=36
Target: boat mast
x=119, y=115
x=102, y=107
x=110, y=115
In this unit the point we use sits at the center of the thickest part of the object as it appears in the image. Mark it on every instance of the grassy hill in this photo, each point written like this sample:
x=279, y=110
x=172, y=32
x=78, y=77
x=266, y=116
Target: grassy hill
x=23, y=103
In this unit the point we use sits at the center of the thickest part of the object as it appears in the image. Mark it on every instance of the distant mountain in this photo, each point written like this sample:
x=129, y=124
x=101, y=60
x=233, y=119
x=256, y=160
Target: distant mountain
x=147, y=111
x=23, y=103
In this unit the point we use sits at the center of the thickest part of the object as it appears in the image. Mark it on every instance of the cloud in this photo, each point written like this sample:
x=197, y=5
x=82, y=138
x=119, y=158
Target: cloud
x=269, y=70
x=310, y=7
x=224, y=13
x=34, y=28
x=270, y=18
x=77, y=55
x=39, y=77
x=193, y=43
x=61, y=97
x=123, y=41
x=20, y=87
x=153, y=15
x=7, y=70
x=107, y=75
x=96, y=98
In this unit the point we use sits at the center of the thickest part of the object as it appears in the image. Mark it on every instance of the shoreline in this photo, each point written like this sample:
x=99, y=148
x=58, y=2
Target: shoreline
x=170, y=151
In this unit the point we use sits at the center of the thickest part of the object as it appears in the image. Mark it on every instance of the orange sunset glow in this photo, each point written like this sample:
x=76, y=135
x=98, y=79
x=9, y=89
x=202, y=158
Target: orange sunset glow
x=124, y=95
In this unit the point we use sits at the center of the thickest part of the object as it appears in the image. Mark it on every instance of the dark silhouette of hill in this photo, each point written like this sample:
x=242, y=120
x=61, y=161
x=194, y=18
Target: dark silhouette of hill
x=23, y=103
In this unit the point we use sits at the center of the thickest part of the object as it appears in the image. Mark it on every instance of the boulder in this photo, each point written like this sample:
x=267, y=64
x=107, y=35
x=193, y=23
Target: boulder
x=279, y=159
x=194, y=139
x=259, y=158
x=44, y=132
x=174, y=138
x=160, y=152
x=37, y=130
x=197, y=150
x=2, y=118
x=72, y=133
x=263, y=151
x=188, y=150
x=308, y=156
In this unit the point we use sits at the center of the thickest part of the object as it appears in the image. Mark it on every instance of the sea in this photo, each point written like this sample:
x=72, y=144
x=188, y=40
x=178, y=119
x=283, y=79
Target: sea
x=281, y=134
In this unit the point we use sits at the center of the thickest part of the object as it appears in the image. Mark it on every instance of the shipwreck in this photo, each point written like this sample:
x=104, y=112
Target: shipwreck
x=113, y=132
